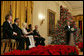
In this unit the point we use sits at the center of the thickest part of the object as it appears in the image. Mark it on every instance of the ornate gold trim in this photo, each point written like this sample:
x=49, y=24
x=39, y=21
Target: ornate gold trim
x=49, y=10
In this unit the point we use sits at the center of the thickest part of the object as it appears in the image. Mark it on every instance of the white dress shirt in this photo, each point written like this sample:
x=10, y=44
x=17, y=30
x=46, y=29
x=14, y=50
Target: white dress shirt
x=16, y=23
x=69, y=27
x=11, y=26
x=10, y=23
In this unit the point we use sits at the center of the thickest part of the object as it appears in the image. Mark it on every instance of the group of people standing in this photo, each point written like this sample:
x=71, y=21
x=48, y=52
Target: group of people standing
x=21, y=35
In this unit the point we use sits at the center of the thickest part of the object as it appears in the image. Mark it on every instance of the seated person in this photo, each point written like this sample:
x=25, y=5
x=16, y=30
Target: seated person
x=8, y=30
x=39, y=40
x=19, y=32
x=30, y=29
x=30, y=37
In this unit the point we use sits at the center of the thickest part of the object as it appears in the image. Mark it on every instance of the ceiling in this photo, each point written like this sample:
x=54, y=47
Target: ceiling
x=76, y=4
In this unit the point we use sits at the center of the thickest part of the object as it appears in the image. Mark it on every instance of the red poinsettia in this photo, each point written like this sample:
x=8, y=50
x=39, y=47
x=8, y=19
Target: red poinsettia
x=9, y=53
x=80, y=46
x=47, y=50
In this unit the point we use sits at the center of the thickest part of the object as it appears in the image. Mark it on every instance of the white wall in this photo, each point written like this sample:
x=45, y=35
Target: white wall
x=41, y=7
x=78, y=11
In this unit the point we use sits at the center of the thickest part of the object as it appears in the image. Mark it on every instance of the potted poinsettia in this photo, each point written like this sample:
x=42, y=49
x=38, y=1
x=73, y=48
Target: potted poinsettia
x=47, y=50
x=80, y=46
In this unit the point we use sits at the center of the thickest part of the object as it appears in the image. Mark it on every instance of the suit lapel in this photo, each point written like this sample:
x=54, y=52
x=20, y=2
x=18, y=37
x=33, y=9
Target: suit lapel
x=9, y=25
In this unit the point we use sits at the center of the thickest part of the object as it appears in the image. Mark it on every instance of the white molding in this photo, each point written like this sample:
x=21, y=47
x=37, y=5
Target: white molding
x=64, y=2
x=57, y=2
x=74, y=8
x=78, y=9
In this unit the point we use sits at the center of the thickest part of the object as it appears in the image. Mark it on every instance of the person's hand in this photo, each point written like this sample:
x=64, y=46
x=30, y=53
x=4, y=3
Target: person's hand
x=22, y=36
x=14, y=33
x=72, y=29
x=35, y=36
x=31, y=31
x=25, y=36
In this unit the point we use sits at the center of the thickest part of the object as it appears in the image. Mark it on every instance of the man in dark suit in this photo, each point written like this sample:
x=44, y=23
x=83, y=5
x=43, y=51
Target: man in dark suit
x=67, y=28
x=20, y=34
x=8, y=30
x=68, y=32
x=39, y=40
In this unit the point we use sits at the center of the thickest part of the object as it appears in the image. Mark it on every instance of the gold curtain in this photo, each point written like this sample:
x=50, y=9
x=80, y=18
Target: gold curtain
x=4, y=10
x=18, y=10
x=13, y=3
x=22, y=12
x=29, y=12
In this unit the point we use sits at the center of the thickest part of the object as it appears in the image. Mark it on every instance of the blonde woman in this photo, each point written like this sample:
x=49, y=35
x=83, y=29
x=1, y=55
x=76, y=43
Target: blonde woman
x=24, y=26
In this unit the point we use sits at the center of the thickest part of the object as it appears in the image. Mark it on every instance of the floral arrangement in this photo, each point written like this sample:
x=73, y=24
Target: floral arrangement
x=80, y=46
x=47, y=50
x=72, y=29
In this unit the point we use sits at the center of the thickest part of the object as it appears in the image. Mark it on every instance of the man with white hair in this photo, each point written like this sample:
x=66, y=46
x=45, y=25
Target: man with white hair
x=38, y=38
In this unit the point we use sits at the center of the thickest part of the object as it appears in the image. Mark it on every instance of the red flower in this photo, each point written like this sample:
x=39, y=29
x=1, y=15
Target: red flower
x=9, y=53
x=80, y=46
x=16, y=52
x=56, y=53
x=63, y=52
x=46, y=50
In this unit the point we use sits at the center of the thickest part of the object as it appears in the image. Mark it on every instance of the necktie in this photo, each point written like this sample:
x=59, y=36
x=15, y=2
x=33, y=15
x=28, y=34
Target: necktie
x=11, y=25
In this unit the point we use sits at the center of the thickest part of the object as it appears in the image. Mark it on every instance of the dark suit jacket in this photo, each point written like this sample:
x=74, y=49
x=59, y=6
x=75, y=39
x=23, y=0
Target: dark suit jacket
x=28, y=30
x=35, y=33
x=69, y=30
x=7, y=30
x=17, y=30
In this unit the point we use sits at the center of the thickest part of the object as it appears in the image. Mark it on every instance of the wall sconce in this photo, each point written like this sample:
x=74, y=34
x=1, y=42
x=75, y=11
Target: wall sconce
x=41, y=17
x=42, y=21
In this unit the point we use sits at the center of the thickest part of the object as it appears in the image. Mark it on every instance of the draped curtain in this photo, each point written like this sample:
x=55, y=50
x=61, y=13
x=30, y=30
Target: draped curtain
x=18, y=10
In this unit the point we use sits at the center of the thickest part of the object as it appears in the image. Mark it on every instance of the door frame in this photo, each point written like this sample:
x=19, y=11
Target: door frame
x=49, y=10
